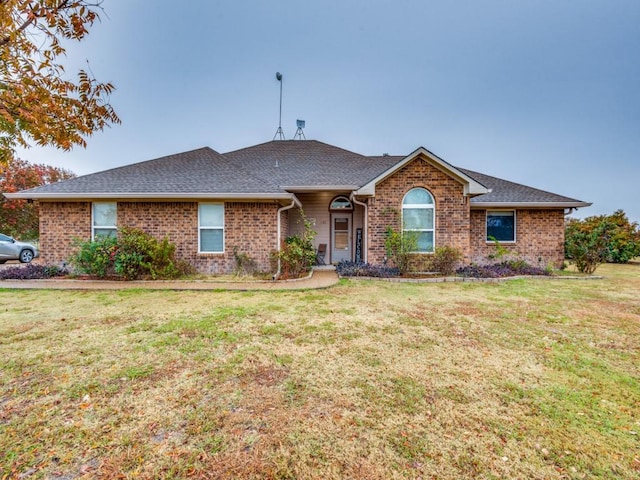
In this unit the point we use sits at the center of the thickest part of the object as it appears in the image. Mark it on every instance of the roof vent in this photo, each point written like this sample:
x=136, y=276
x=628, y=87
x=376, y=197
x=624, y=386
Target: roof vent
x=299, y=133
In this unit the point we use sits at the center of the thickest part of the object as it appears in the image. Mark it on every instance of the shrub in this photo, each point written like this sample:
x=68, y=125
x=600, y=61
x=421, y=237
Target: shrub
x=31, y=272
x=358, y=269
x=500, y=250
x=502, y=269
x=445, y=259
x=603, y=238
x=399, y=248
x=139, y=254
x=245, y=265
x=297, y=255
x=96, y=257
x=587, y=243
x=131, y=255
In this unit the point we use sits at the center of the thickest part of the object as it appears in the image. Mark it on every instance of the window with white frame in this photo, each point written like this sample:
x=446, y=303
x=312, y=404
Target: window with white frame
x=211, y=227
x=418, y=216
x=501, y=225
x=104, y=217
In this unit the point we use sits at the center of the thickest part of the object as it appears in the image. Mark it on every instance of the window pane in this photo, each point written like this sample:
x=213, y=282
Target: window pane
x=341, y=240
x=211, y=240
x=417, y=218
x=104, y=214
x=501, y=226
x=418, y=196
x=341, y=224
x=425, y=241
x=211, y=215
x=104, y=232
x=341, y=204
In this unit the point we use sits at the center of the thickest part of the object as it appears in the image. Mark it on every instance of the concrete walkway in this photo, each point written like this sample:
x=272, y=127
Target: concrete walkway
x=319, y=278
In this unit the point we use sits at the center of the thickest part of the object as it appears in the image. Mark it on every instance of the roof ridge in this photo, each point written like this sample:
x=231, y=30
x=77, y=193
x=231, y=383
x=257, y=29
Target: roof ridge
x=291, y=142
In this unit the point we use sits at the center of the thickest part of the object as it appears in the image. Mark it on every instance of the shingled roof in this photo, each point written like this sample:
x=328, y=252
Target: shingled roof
x=272, y=170
x=200, y=172
x=295, y=164
x=504, y=192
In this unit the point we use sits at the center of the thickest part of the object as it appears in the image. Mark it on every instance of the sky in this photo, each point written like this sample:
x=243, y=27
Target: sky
x=540, y=92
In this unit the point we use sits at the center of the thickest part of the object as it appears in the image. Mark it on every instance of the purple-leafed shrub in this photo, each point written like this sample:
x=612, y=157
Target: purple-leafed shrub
x=502, y=269
x=31, y=272
x=355, y=269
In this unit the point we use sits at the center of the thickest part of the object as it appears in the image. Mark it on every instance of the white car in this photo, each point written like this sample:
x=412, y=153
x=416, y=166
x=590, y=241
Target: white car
x=11, y=249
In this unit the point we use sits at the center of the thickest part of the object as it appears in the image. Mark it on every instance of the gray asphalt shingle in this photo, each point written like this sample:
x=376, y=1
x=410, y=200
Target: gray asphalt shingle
x=504, y=191
x=267, y=168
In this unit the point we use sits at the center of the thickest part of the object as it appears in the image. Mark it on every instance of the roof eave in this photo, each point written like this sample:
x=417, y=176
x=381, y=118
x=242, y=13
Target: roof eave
x=149, y=195
x=479, y=205
x=319, y=188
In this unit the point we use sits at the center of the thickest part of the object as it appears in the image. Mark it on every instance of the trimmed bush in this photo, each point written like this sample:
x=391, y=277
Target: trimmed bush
x=32, y=272
x=354, y=269
x=502, y=269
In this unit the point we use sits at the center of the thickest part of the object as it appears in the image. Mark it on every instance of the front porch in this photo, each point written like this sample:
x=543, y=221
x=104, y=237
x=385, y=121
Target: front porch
x=338, y=222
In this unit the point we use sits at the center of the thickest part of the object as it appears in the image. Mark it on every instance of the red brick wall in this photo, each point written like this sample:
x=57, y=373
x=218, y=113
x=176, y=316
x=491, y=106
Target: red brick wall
x=539, y=238
x=249, y=226
x=60, y=224
x=452, y=211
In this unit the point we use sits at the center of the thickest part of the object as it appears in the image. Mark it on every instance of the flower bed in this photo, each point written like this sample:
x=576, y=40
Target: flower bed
x=497, y=270
x=32, y=271
x=355, y=269
x=502, y=269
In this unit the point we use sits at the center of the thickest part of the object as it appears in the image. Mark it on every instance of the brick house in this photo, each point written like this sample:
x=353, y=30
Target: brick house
x=209, y=203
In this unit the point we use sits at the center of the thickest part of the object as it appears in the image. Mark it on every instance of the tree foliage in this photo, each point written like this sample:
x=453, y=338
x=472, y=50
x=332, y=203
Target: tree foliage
x=18, y=217
x=624, y=244
x=598, y=239
x=38, y=103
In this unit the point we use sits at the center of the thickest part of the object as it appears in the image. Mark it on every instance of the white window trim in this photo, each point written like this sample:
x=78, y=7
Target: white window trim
x=95, y=227
x=515, y=226
x=200, y=228
x=425, y=206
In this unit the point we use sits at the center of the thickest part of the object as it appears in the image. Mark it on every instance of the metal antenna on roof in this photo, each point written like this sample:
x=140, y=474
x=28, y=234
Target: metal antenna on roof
x=299, y=133
x=279, y=132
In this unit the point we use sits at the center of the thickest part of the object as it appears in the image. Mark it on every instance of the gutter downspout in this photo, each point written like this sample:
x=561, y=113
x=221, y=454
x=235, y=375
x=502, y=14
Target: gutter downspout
x=352, y=197
x=294, y=203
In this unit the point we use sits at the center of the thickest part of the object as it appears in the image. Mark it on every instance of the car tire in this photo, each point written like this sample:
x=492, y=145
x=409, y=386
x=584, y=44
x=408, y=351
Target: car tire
x=26, y=256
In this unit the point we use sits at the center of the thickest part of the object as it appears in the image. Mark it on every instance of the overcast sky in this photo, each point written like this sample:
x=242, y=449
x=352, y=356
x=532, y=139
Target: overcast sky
x=541, y=92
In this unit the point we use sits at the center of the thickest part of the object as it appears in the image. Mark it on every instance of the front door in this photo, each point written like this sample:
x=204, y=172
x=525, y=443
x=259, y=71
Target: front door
x=340, y=237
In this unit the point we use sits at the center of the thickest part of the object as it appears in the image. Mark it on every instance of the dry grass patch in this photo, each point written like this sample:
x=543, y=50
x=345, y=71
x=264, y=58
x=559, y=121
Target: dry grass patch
x=367, y=380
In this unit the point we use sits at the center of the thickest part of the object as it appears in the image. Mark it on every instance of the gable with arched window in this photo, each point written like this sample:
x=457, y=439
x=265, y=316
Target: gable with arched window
x=418, y=216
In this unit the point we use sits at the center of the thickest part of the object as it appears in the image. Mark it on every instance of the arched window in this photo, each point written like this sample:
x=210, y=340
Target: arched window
x=340, y=204
x=418, y=215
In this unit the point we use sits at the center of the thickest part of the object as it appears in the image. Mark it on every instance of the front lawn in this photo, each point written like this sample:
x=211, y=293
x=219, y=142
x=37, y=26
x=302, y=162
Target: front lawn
x=366, y=380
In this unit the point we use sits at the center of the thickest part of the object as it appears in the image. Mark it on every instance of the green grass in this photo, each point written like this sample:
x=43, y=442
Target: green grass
x=366, y=380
